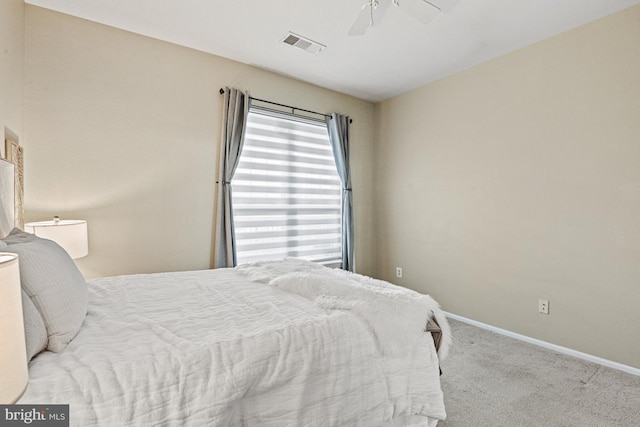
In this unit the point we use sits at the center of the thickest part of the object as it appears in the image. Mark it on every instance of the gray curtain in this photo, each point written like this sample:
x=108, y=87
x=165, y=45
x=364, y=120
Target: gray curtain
x=236, y=109
x=338, y=126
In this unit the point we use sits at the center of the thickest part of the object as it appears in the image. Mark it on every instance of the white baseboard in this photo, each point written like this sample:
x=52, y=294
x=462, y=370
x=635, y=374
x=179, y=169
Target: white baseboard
x=564, y=350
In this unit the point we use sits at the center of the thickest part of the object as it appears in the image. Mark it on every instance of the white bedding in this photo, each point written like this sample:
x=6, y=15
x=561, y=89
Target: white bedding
x=253, y=346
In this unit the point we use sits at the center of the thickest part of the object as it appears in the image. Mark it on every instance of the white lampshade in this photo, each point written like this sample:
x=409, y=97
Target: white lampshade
x=14, y=373
x=70, y=234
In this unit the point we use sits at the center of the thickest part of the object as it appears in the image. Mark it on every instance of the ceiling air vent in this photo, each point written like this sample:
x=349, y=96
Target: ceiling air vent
x=303, y=43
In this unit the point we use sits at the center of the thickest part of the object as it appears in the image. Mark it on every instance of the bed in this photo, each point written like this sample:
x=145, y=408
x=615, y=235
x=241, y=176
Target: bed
x=278, y=343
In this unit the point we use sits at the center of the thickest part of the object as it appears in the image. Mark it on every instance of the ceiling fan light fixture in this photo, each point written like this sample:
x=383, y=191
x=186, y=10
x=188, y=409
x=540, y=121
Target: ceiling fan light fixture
x=373, y=11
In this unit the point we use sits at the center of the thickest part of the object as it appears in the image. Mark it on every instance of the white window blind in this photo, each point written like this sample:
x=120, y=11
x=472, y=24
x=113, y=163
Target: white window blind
x=286, y=191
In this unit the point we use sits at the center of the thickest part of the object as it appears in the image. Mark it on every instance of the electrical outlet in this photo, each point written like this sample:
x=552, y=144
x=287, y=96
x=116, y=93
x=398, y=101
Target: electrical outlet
x=398, y=271
x=543, y=306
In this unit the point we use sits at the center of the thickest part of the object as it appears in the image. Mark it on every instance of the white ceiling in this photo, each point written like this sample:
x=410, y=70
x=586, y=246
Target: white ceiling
x=393, y=57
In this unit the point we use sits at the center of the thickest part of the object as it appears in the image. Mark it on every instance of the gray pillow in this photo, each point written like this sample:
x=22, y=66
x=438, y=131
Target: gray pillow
x=54, y=284
x=34, y=329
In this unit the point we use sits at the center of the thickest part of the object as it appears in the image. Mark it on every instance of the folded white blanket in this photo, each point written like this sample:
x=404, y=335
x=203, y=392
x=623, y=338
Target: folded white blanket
x=395, y=316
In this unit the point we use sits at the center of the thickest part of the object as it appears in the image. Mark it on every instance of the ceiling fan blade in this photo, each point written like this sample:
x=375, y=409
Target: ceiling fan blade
x=363, y=21
x=443, y=5
x=418, y=9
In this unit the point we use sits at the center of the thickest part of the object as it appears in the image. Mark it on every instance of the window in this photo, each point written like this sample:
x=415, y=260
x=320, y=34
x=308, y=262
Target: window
x=286, y=191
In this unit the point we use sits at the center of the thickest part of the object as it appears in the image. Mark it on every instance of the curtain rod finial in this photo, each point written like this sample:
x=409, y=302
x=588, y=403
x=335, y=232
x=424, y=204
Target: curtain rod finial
x=221, y=91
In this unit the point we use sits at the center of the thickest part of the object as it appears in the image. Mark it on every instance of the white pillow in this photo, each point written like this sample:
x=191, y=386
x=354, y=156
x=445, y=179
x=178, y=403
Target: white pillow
x=54, y=284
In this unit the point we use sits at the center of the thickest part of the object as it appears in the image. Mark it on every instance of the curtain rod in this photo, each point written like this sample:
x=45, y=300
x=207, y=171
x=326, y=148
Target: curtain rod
x=293, y=109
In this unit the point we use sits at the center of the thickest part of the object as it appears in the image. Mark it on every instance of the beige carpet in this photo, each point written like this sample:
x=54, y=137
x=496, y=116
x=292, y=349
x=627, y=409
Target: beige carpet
x=493, y=380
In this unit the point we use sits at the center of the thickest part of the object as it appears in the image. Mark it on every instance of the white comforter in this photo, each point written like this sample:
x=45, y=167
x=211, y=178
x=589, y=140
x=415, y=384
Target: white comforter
x=259, y=345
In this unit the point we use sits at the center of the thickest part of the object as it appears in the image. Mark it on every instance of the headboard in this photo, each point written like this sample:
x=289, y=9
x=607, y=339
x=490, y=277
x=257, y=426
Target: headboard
x=7, y=197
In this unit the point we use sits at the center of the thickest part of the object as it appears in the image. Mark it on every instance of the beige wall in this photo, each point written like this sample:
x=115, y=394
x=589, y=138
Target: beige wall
x=519, y=179
x=123, y=130
x=11, y=68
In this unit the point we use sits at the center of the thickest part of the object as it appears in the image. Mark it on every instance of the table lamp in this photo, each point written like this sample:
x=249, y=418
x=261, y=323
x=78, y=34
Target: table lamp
x=14, y=373
x=70, y=234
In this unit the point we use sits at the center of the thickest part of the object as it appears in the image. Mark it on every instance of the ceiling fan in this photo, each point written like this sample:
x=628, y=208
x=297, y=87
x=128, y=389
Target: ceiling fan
x=373, y=11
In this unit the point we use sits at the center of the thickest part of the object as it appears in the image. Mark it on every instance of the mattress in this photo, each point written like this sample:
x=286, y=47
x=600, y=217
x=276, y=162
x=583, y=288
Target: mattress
x=269, y=344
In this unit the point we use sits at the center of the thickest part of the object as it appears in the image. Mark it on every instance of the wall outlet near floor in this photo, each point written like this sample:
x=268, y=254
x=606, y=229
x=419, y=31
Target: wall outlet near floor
x=398, y=271
x=543, y=306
